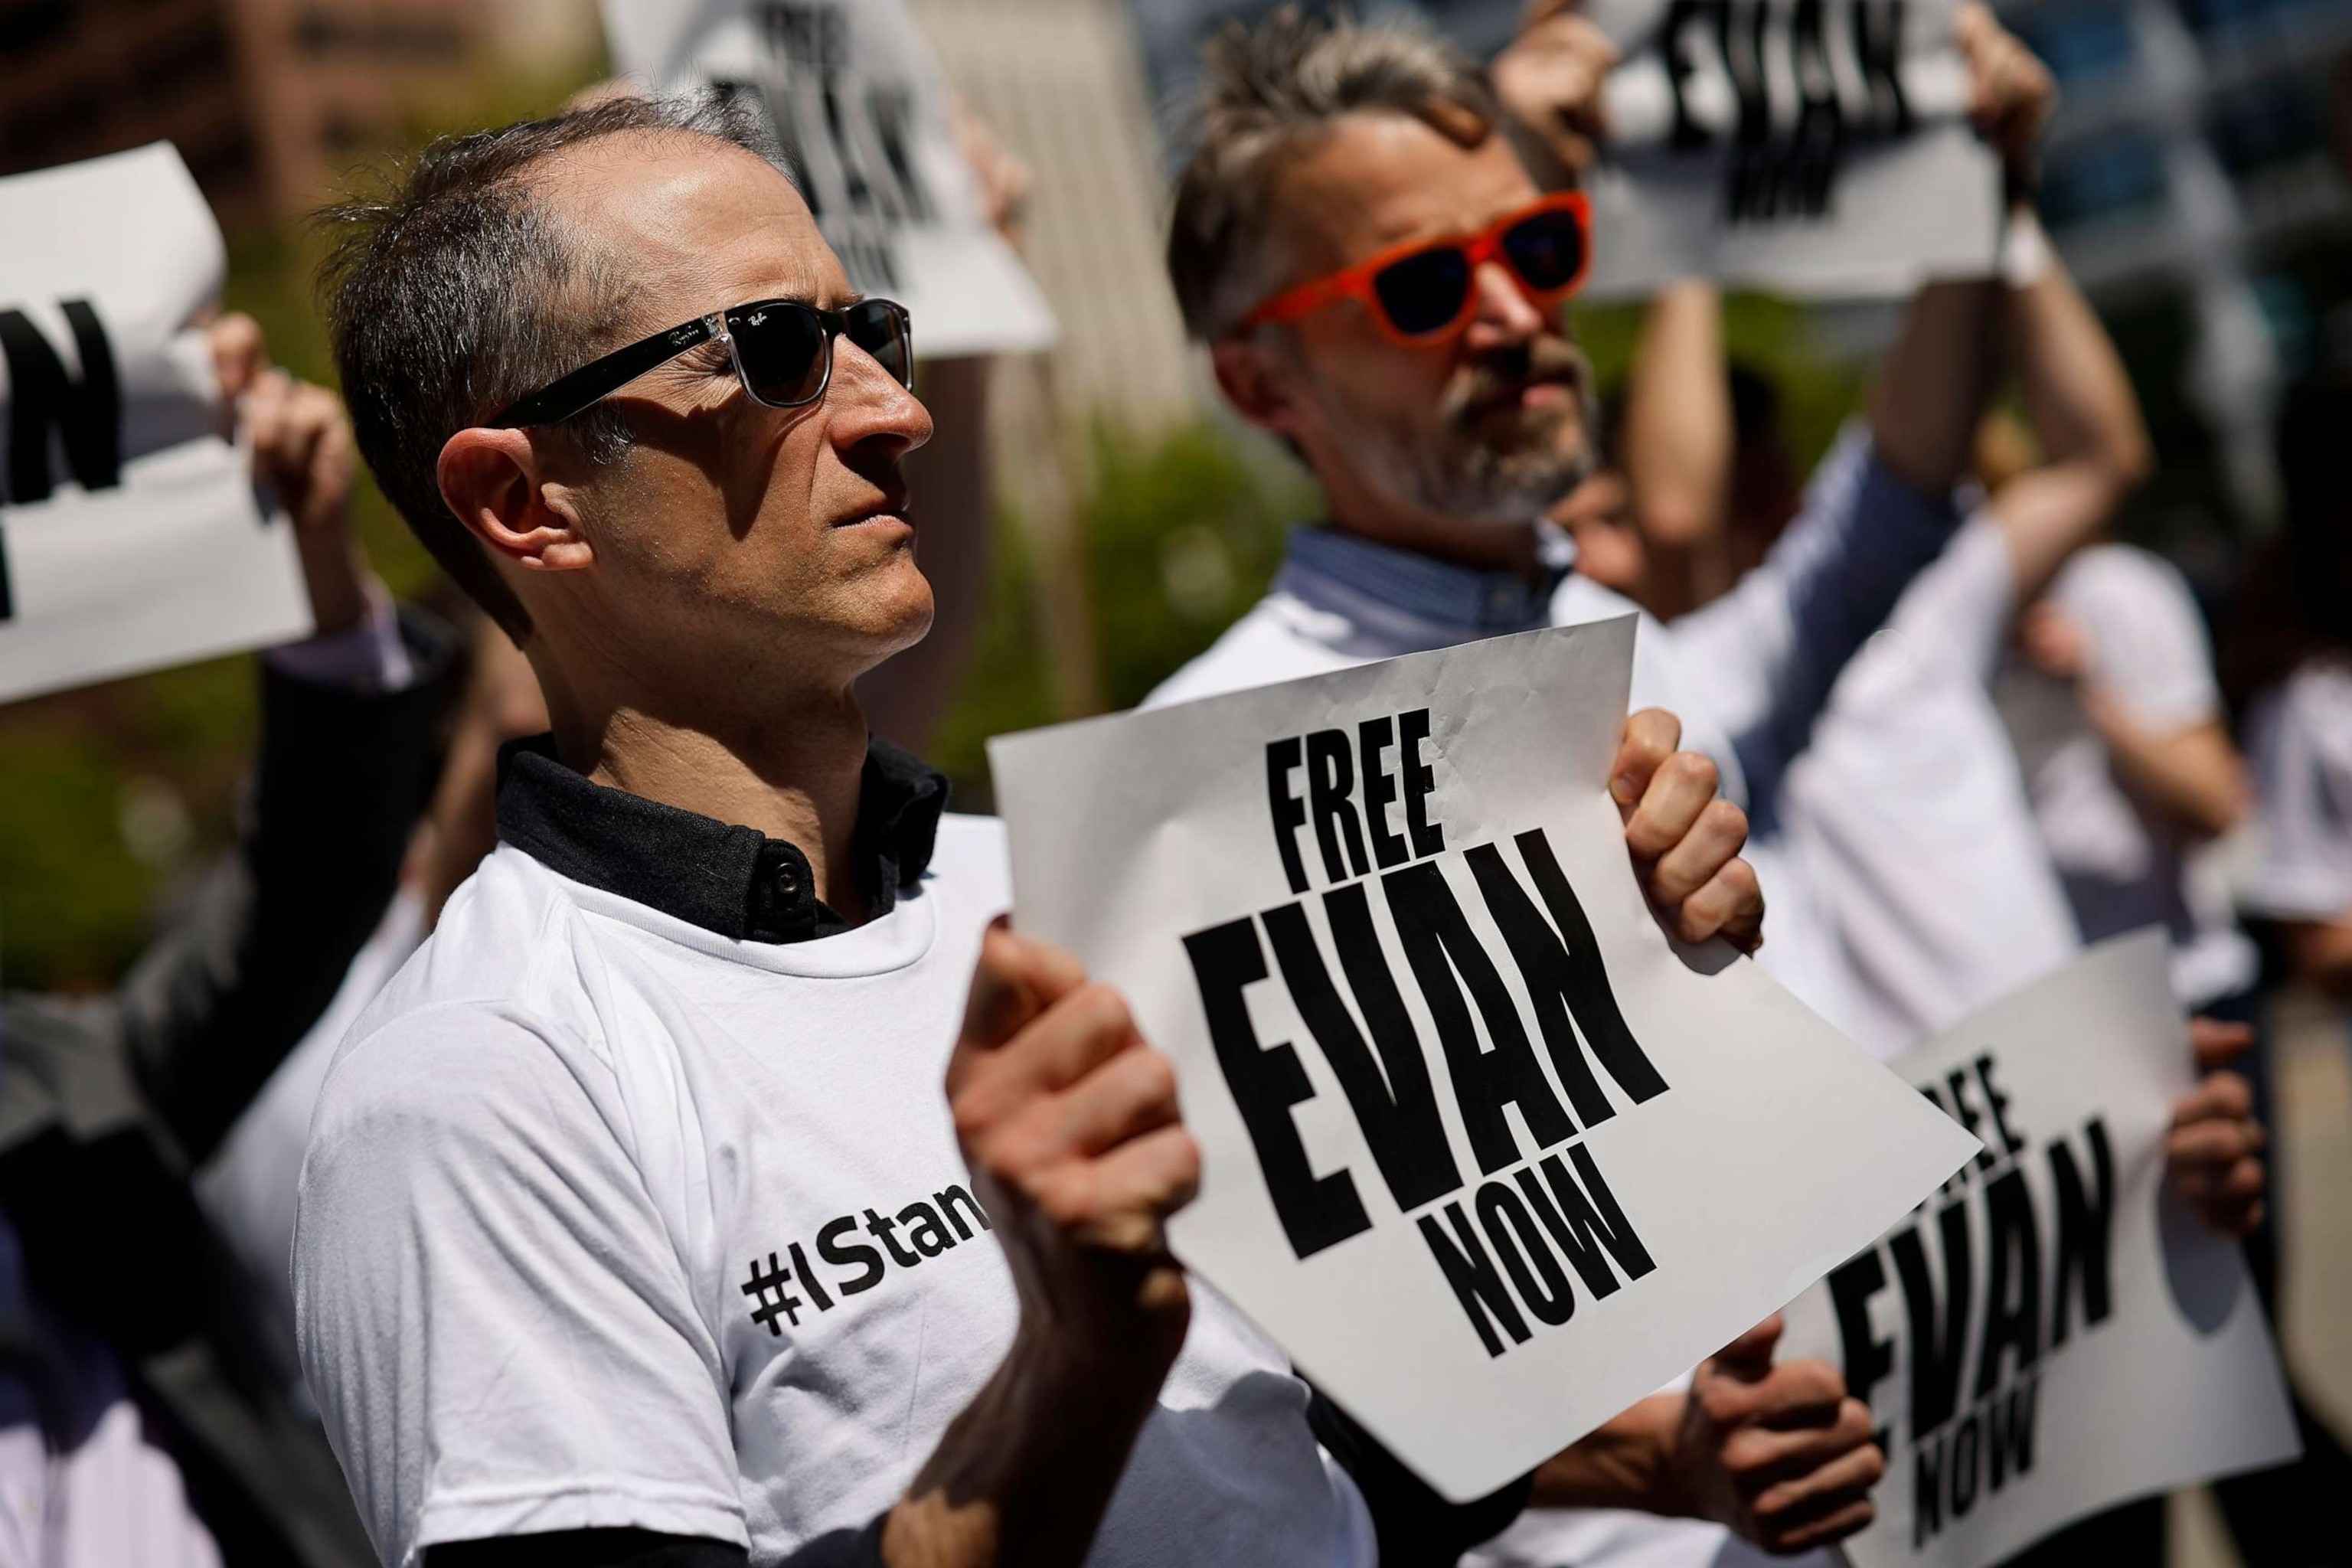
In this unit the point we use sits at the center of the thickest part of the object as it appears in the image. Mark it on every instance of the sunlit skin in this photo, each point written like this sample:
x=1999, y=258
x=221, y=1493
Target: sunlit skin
x=1598, y=515
x=701, y=608
x=1364, y=410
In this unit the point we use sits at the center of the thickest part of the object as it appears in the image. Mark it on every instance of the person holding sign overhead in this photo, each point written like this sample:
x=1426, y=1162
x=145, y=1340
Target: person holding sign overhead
x=634, y=1226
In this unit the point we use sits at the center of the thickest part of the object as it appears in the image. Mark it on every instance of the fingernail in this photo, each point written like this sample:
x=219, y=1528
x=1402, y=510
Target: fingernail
x=1622, y=787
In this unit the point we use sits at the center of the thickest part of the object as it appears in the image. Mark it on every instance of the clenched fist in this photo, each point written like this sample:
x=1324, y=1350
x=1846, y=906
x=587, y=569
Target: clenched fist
x=1685, y=838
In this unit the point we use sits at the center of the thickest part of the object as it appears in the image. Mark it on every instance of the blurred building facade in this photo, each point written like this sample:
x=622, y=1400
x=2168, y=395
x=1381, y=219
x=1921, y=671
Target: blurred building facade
x=268, y=100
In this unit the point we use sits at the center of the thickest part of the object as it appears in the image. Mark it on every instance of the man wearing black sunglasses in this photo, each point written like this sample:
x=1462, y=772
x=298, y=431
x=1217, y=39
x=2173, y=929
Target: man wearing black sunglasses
x=634, y=1226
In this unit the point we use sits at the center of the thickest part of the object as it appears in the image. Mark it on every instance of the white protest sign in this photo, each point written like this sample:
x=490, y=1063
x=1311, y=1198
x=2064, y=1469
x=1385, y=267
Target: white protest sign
x=1798, y=146
x=860, y=107
x=2054, y=1333
x=130, y=536
x=1485, y=1154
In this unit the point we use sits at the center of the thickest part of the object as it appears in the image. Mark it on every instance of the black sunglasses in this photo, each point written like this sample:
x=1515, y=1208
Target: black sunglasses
x=781, y=350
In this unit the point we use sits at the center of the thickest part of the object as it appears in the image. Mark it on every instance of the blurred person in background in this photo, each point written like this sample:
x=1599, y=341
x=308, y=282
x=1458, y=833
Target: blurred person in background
x=138, y=1425
x=2290, y=675
x=248, y=1188
x=2288, y=670
x=1906, y=815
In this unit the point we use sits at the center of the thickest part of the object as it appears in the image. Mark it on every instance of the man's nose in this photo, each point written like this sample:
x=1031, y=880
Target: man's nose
x=868, y=407
x=1504, y=318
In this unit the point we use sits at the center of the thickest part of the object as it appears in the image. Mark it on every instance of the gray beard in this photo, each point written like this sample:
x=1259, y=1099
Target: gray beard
x=1454, y=474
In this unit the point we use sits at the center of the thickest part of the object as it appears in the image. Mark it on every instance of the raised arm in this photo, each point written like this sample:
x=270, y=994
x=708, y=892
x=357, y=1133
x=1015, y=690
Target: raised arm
x=1677, y=448
x=1882, y=509
x=2084, y=413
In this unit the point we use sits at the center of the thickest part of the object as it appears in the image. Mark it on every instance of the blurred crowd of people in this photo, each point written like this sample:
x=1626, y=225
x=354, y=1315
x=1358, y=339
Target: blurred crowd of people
x=284, y=1233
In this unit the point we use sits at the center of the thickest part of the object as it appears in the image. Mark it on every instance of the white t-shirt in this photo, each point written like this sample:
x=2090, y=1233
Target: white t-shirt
x=2150, y=650
x=248, y=1187
x=610, y=1221
x=1911, y=821
x=2299, y=739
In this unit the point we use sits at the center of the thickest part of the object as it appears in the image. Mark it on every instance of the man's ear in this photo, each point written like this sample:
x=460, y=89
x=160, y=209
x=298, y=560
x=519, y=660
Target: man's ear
x=491, y=479
x=1261, y=386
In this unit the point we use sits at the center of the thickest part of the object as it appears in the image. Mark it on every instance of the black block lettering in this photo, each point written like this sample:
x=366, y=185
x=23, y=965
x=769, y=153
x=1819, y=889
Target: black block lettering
x=2009, y=1433
x=1587, y=1222
x=1867, y=1358
x=1374, y=736
x=1289, y=811
x=1565, y=977
x=929, y=1237
x=1431, y=926
x=87, y=412
x=1470, y=1272
x=2083, y=1232
x=2012, y=1281
x=1535, y=1273
x=1420, y=779
x=1391, y=1096
x=1267, y=1081
x=1939, y=1340
x=1330, y=785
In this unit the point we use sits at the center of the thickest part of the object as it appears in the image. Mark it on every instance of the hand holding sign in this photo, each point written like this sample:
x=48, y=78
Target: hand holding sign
x=1686, y=839
x=1778, y=1453
x=1482, y=1150
x=2011, y=93
x=304, y=455
x=2214, y=1149
x=1550, y=80
x=1068, y=1122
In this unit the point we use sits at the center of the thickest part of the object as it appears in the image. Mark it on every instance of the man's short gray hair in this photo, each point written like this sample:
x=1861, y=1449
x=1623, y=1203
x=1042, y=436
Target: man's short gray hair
x=457, y=289
x=1265, y=95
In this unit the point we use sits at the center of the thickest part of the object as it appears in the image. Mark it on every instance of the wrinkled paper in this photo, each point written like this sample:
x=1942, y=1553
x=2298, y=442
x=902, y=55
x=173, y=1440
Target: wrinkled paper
x=861, y=111
x=1629, y=1152
x=1810, y=149
x=130, y=534
x=2053, y=1332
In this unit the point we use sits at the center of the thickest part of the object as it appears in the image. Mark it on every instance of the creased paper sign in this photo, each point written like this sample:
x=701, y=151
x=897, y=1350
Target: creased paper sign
x=1484, y=1154
x=2053, y=1332
x=1812, y=147
x=130, y=536
x=861, y=111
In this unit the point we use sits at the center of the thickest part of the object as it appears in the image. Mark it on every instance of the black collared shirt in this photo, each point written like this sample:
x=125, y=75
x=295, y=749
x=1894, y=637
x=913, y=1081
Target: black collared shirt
x=734, y=882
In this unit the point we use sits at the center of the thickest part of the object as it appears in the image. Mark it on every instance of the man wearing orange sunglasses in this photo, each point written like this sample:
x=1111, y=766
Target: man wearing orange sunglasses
x=1380, y=282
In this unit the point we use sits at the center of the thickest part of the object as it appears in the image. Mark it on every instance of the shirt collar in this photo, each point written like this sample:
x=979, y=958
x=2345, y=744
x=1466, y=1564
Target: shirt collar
x=1453, y=604
x=733, y=881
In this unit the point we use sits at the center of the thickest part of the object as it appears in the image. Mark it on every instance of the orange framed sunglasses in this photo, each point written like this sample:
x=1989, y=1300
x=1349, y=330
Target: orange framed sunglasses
x=1424, y=291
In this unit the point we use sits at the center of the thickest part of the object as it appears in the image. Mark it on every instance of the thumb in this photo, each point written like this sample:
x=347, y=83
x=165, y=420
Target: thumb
x=1017, y=978
x=1749, y=1357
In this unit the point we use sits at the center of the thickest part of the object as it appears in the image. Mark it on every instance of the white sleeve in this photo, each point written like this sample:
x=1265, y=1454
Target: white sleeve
x=1961, y=606
x=2147, y=640
x=1771, y=650
x=492, y=1315
x=2300, y=744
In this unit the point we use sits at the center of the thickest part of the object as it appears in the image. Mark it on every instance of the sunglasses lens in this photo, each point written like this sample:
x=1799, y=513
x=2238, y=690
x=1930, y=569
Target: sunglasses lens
x=879, y=328
x=1424, y=293
x=783, y=350
x=1546, y=250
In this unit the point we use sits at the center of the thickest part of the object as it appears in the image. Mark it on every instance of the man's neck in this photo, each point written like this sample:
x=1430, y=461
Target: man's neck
x=793, y=775
x=1477, y=543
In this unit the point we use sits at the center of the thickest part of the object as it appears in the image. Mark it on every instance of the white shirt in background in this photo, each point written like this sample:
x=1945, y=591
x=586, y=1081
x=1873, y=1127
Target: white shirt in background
x=1912, y=822
x=611, y=1221
x=2148, y=650
x=2299, y=739
x=247, y=1186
